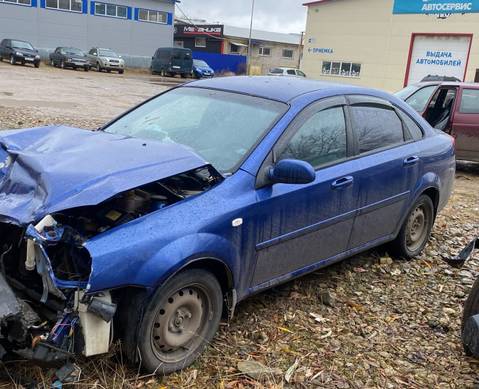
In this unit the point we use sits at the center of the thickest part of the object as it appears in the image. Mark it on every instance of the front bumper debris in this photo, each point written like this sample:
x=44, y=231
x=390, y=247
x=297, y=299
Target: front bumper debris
x=81, y=324
x=465, y=254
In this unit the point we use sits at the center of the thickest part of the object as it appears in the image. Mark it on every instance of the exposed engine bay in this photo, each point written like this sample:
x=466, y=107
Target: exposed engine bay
x=46, y=312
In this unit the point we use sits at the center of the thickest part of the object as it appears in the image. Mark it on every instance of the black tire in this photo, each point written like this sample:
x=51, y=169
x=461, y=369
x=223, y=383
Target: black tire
x=86, y=69
x=62, y=64
x=162, y=73
x=98, y=67
x=108, y=70
x=121, y=71
x=52, y=62
x=37, y=64
x=183, y=75
x=415, y=231
x=471, y=308
x=164, y=344
x=12, y=60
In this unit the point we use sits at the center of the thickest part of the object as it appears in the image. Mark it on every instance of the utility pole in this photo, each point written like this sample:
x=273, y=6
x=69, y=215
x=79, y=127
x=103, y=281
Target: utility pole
x=248, y=65
x=300, y=49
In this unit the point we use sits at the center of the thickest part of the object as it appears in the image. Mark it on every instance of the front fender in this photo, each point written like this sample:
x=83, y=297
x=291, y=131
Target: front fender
x=111, y=270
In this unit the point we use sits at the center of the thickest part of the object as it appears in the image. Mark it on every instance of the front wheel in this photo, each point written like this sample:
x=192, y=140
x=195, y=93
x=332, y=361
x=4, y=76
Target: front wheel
x=98, y=67
x=12, y=60
x=180, y=320
x=121, y=71
x=415, y=231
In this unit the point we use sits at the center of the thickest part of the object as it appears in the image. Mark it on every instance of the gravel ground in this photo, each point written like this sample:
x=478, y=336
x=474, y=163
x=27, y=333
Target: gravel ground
x=368, y=322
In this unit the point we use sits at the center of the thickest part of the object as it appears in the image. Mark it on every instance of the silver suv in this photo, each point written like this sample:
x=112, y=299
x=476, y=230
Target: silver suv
x=106, y=59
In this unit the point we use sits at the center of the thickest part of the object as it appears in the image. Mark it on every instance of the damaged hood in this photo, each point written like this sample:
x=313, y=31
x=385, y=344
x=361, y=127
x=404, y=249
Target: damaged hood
x=49, y=169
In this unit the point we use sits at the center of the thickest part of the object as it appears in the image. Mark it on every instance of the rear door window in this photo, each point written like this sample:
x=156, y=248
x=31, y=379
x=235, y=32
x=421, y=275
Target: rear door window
x=469, y=101
x=376, y=128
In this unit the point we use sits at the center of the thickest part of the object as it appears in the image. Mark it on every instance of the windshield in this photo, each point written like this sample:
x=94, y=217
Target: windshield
x=199, y=62
x=219, y=126
x=73, y=51
x=403, y=94
x=22, y=45
x=107, y=53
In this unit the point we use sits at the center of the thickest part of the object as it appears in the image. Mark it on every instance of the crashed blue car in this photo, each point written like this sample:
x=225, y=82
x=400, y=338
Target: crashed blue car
x=153, y=228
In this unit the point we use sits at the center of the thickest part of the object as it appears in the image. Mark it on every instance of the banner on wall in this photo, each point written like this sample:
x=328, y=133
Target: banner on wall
x=435, y=6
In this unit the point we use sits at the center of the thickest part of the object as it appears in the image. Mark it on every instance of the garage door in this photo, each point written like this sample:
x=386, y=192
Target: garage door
x=442, y=55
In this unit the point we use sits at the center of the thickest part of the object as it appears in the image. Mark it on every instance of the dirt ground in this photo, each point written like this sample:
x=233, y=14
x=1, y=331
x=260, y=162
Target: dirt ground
x=368, y=322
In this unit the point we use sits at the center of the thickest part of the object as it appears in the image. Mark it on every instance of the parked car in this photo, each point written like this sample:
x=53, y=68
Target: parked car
x=132, y=225
x=15, y=51
x=431, y=77
x=106, y=59
x=69, y=57
x=286, y=72
x=202, y=70
x=170, y=61
x=451, y=107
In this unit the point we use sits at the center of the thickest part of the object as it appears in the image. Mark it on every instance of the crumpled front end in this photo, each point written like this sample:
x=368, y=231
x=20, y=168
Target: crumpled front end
x=48, y=313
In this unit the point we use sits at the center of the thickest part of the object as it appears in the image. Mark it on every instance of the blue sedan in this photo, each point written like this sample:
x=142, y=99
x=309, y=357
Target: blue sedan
x=166, y=218
x=202, y=70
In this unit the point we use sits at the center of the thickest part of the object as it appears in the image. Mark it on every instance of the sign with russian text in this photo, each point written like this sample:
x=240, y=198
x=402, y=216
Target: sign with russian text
x=435, y=6
x=439, y=56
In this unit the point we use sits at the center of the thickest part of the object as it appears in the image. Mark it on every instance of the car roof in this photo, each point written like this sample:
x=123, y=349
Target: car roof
x=282, y=89
x=447, y=83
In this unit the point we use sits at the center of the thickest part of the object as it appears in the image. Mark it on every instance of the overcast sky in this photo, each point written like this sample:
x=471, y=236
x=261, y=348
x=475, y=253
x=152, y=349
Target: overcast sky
x=271, y=15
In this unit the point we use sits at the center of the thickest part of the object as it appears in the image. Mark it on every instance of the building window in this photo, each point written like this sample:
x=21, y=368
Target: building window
x=65, y=5
x=265, y=51
x=115, y=11
x=234, y=49
x=21, y=2
x=148, y=15
x=288, y=53
x=200, y=42
x=342, y=69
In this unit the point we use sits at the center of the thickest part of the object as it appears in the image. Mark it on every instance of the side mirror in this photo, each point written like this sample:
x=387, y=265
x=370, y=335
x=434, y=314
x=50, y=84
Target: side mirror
x=292, y=171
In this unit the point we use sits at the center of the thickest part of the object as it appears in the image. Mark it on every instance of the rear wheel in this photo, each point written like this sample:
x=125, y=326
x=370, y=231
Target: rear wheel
x=180, y=320
x=415, y=232
x=52, y=62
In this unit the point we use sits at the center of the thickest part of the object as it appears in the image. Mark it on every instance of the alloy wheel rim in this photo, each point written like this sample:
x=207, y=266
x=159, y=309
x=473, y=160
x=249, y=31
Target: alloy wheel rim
x=417, y=228
x=180, y=323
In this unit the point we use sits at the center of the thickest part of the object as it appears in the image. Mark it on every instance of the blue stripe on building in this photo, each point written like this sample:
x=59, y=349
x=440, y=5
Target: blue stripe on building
x=92, y=8
x=85, y=6
x=170, y=18
x=129, y=13
x=42, y=3
x=137, y=11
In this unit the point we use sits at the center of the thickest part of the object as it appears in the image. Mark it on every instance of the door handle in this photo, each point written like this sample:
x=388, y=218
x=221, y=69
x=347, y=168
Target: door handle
x=342, y=182
x=411, y=160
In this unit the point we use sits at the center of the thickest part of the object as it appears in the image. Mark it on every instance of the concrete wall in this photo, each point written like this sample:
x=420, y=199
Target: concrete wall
x=47, y=29
x=265, y=63
x=368, y=33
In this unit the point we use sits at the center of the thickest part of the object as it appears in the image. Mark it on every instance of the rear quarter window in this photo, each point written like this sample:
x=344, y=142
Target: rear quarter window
x=414, y=129
x=469, y=101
